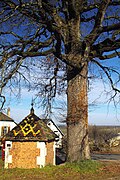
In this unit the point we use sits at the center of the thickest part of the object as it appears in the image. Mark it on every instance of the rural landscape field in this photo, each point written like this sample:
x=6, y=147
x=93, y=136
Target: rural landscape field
x=99, y=137
x=102, y=168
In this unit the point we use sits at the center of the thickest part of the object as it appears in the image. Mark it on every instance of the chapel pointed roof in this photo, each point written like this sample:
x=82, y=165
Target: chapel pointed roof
x=31, y=128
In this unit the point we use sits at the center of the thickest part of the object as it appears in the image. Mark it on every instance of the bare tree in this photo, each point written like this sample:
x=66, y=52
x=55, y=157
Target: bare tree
x=71, y=35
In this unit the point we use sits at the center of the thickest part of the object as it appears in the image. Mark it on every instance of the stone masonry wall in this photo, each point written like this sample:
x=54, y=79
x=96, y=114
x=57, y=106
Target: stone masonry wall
x=24, y=155
x=50, y=153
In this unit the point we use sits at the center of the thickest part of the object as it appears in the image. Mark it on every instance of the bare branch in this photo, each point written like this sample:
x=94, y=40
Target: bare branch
x=98, y=22
x=112, y=55
x=96, y=5
x=105, y=46
x=109, y=28
x=13, y=71
x=106, y=70
x=2, y=101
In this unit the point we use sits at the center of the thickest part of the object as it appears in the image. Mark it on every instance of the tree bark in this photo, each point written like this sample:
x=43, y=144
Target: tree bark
x=77, y=117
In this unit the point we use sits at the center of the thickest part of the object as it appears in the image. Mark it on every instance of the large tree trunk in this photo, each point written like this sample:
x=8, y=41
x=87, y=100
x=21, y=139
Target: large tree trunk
x=77, y=117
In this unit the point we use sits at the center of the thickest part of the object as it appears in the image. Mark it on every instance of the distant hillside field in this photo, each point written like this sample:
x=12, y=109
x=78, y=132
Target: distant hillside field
x=98, y=138
x=108, y=129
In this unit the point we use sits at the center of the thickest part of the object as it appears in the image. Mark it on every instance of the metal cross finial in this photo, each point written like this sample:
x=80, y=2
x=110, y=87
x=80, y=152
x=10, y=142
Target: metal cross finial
x=32, y=109
x=32, y=104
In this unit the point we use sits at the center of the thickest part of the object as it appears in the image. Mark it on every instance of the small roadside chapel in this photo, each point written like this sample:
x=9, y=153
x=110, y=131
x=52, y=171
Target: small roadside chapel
x=30, y=144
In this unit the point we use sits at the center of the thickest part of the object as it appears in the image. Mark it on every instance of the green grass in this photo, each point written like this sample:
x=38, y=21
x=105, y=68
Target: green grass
x=87, y=166
x=68, y=171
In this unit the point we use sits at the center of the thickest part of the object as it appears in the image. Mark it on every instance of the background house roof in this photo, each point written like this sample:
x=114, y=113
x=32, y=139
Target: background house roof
x=4, y=117
x=31, y=128
x=50, y=120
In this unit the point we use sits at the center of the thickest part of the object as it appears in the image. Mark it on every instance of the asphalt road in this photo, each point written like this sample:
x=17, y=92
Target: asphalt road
x=105, y=156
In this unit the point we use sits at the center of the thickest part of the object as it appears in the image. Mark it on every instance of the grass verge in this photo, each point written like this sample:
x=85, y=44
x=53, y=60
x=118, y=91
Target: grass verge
x=87, y=170
x=87, y=166
x=66, y=171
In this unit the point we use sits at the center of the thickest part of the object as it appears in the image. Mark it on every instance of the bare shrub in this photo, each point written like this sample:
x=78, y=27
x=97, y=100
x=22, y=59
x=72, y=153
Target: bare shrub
x=99, y=136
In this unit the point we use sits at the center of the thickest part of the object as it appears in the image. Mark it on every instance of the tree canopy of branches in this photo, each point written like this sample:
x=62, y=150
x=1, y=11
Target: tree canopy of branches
x=61, y=37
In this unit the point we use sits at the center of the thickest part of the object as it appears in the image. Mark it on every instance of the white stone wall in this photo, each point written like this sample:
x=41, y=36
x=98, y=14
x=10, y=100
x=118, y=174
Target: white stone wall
x=8, y=157
x=43, y=153
x=54, y=150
